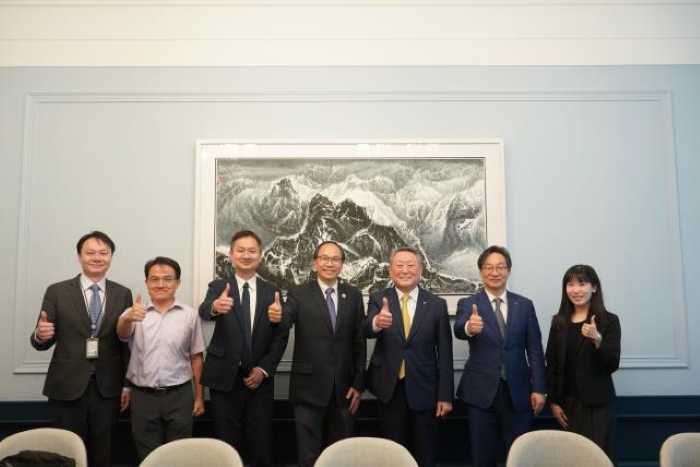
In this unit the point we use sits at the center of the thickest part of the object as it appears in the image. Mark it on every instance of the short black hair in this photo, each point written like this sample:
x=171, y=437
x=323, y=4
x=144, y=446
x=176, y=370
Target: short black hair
x=164, y=260
x=97, y=235
x=330, y=242
x=245, y=233
x=494, y=249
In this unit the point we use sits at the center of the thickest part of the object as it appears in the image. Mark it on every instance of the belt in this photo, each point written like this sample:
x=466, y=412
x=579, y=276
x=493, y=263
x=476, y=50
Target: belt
x=160, y=390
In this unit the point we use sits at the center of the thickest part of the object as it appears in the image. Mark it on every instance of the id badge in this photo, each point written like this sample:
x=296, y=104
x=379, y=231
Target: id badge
x=91, y=346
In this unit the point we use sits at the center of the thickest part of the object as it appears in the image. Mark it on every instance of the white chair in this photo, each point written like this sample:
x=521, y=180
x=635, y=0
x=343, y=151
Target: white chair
x=681, y=450
x=365, y=452
x=63, y=442
x=193, y=452
x=554, y=448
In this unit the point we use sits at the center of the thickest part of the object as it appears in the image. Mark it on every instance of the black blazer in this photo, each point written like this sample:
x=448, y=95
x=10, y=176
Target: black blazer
x=226, y=347
x=427, y=351
x=324, y=359
x=69, y=370
x=594, y=366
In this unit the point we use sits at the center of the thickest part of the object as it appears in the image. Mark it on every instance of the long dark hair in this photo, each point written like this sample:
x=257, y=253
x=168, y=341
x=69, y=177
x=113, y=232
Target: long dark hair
x=583, y=273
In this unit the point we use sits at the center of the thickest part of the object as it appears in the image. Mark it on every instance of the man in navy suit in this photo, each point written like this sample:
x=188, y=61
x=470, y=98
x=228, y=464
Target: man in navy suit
x=410, y=371
x=504, y=381
x=244, y=352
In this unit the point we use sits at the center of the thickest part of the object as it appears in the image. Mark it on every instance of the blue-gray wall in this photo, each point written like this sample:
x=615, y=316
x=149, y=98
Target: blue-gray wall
x=601, y=167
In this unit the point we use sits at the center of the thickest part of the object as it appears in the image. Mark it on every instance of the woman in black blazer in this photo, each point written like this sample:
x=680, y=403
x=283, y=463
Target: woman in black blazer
x=583, y=351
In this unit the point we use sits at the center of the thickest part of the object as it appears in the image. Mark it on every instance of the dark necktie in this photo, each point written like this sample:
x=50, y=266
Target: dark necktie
x=331, y=306
x=95, y=307
x=247, y=359
x=502, y=327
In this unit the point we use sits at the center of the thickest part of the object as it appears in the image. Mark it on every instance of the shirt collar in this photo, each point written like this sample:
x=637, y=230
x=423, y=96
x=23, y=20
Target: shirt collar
x=86, y=283
x=175, y=306
x=252, y=283
x=324, y=287
x=413, y=294
x=492, y=297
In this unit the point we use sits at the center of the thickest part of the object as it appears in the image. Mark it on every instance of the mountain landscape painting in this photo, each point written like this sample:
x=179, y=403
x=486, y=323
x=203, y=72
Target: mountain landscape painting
x=369, y=206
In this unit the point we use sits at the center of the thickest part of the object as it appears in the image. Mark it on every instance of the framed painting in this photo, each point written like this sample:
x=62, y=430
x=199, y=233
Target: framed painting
x=445, y=199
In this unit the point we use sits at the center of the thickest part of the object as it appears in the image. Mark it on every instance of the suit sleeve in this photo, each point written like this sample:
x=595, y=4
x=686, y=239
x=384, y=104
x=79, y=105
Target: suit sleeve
x=607, y=356
x=48, y=305
x=359, y=347
x=552, y=357
x=280, y=335
x=373, y=307
x=535, y=355
x=213, y=292
x=446, y=388
x=464, y=306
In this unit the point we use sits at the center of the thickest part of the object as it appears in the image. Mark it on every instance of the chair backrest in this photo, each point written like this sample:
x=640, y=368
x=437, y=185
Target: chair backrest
x=193, y=452
x=681, y=450
x=63, y=442
x=365, y=452
x=553, y=448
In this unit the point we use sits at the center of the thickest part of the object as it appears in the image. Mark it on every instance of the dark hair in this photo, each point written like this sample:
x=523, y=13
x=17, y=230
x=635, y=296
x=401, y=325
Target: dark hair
x=586, y=274
x=245, y=233
x=97, y=235
x=164, y=261
x=494, y=249
x=406, y=249
x=330, y=242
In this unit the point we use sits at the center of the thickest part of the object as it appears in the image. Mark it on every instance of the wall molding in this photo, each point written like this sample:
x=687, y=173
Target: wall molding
x=26, y=360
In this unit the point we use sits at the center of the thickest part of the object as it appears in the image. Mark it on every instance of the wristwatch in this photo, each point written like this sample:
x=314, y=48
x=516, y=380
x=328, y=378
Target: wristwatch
x=599, y=337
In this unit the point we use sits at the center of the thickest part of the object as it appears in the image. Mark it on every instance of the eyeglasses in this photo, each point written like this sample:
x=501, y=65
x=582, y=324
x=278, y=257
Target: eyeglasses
x=488, y=268
x=330, y=259
x=167, y=279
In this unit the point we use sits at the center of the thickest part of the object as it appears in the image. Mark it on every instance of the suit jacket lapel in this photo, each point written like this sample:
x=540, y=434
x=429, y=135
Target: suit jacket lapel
x=76, y=293
x=395, y=310
x=259, y=302
x=342, y=308
x=319, y=297
x=421, y=311
x=489, y=317
x=237, y=306
x=513, y=312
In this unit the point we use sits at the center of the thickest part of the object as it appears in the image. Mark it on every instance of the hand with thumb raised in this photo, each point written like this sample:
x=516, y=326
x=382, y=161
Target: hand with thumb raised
x=44, y=329
x=384, y=319
x=224, y=303
x=591, y=330
x=274, y=311
x=475, y=324
x=137, y=312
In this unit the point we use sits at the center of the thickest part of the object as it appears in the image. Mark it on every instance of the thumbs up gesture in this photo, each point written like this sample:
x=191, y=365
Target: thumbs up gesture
x=475, y=324
x=137, y=313
x=274, y=311
x=44, y=329
x=224, y=303
x=384, y=318
x=591, y=331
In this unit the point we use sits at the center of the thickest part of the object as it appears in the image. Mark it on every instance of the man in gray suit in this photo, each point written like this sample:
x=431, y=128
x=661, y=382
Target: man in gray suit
x=86, y=373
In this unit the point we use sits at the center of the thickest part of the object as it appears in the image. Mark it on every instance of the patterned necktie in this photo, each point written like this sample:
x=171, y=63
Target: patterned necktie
x=95, y=306
x=406, y=329
x=331, y=306
x=502, y=327
x=247, y=358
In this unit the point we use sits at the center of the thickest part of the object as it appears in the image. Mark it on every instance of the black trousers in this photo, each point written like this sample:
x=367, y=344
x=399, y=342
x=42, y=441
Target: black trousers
x=243, y=418
x=416, y=430
x=93, y=418
x=317, y=428
x=157, y=419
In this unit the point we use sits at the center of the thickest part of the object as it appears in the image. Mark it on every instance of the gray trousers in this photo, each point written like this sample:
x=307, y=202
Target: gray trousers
x=157, y=419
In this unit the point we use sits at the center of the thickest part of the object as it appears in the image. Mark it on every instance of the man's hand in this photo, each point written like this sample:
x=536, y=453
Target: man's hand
x=274, y=311
x=559, y=414
x=254, y=379
x=224, y=303
x=443, y=408
x=44, y=329
x=198, y=407
x=125, y=400
x=384, y=319
x=137, y=313
x=354, y=396
x=475, y=324
x=536, y=402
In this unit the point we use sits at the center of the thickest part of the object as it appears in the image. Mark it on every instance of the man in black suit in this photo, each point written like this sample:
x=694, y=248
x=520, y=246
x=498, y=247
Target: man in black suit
x=329, y=354
x=410, y=370
x=86, y=373
x=244, y=352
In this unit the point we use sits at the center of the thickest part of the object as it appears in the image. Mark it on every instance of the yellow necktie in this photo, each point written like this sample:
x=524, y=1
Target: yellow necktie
x=406, y=330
